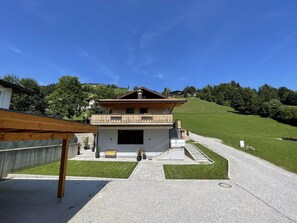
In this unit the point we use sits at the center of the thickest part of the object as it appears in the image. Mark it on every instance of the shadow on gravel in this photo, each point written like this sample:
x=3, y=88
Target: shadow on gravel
x=34, y=200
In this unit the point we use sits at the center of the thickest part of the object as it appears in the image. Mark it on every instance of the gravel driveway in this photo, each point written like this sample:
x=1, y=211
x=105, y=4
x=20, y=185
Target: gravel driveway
x=260, y=192
x=270, y=184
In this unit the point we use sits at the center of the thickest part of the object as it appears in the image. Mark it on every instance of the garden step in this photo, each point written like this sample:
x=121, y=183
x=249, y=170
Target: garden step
x=197, y=154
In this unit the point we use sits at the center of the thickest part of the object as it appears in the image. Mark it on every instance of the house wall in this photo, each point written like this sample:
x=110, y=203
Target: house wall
x=5, y=96
x=155, y=141
x=137, y=110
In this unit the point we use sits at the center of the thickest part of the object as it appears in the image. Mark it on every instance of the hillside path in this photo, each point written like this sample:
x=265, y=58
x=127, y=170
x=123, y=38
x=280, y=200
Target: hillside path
x=270, y=184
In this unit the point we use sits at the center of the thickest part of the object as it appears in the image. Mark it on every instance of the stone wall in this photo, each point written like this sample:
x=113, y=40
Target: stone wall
x=15, y=159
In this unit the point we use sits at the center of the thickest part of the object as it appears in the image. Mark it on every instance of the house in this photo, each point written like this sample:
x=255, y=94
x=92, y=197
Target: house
x=140, y=119
x=6, y=90
x=91, y=101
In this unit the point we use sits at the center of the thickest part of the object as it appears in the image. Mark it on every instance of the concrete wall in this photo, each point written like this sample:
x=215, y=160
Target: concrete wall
x=155, y=141
x=173, y=154
x=82, y=136
x=15, y=159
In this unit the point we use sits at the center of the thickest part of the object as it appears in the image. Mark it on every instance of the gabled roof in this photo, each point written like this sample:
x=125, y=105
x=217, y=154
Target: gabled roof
x=146, y=94
x=15, y=87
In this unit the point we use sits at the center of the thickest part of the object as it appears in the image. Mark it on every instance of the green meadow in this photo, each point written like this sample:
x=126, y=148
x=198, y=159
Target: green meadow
x=209, y=119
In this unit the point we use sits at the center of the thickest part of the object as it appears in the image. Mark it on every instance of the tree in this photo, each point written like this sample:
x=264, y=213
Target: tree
x=67, y=99
x=105, y=93
x=48, y=89
x=274, y=108
x=166, y=92
x=189, y=90
x=32, y=103
x=97, y=109
x=267, y=93
x=206, y=93
x=11, y=78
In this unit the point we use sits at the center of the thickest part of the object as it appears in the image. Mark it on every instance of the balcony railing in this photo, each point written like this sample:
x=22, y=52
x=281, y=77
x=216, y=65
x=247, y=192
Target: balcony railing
x=132, y=119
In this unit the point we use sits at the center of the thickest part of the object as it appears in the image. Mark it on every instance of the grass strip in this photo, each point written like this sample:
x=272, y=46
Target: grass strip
x=85, y=169
x=217, y=170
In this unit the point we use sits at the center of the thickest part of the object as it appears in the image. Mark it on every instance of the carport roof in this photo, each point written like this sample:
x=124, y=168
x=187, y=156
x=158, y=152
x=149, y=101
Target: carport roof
x=18, y=126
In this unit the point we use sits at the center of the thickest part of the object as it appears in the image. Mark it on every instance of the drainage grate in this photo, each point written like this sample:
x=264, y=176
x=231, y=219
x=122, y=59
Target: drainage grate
x=225, y=185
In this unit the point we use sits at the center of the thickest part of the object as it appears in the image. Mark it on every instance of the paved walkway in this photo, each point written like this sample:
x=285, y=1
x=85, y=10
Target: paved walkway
x=148, y=171
x=273, y=186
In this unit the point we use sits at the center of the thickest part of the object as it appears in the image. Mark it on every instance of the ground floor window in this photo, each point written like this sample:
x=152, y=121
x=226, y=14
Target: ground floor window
x=130, y=136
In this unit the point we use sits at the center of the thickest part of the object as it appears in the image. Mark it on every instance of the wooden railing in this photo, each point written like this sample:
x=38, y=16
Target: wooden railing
x=128, y=119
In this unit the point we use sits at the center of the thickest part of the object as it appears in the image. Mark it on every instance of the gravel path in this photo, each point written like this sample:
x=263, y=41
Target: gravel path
x=270, y=184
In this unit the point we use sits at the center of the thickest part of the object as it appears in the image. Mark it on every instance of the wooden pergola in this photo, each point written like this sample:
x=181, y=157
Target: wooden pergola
x=17, y=126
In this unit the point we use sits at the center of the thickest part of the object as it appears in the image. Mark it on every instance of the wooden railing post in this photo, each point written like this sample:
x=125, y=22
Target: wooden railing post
x=63, y=168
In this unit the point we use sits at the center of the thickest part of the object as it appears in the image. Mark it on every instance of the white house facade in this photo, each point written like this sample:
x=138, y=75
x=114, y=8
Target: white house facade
x=141, y=119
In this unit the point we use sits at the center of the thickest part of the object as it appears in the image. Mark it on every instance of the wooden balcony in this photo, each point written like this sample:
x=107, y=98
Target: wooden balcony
x=132, y=119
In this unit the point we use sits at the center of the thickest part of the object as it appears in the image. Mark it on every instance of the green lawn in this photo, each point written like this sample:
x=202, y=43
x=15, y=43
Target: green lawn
x=86, y=169
x=210, y=119
x=217, y=170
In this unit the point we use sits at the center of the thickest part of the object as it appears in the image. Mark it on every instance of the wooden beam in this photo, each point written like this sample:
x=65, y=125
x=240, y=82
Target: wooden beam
x=16, y=120
x=13, y=136
x=42, y=126
x=63, y=168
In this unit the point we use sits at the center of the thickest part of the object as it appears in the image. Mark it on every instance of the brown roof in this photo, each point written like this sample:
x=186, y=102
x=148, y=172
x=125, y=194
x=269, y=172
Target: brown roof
x=149, y=94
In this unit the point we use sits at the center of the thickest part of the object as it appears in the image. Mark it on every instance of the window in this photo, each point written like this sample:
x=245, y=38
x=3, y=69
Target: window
x=130, y=110
x=130, y=136
x=143, y=110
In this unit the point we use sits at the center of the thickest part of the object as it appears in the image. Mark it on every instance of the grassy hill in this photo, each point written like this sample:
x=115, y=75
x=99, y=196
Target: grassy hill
x=210, y=119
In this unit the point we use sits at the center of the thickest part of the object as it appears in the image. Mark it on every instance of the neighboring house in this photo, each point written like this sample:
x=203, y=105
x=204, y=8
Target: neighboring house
x=6, y=90
x=140, y=119
x=176, y=94
x=90, y=101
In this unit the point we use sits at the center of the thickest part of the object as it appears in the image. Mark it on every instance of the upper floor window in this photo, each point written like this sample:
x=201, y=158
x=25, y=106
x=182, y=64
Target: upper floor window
x=143, y=110
x=129, y=110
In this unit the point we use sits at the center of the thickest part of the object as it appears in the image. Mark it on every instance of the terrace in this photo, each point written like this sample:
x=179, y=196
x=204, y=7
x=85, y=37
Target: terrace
x=132, y=119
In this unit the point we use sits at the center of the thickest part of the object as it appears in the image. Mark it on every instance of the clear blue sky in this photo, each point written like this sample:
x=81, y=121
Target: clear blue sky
x=156, y=44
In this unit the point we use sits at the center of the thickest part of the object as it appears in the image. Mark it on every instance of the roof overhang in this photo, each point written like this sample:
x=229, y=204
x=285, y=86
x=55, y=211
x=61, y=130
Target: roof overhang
x=16, y=88
x=168, y=101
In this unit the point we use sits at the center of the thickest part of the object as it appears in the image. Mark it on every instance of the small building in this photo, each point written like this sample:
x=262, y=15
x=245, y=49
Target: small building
x=141, y=119
x=6, y=90
x=91, y=101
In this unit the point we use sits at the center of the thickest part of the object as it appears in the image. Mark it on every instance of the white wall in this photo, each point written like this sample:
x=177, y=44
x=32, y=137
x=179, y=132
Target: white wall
x=5, y=96
x=155, y=141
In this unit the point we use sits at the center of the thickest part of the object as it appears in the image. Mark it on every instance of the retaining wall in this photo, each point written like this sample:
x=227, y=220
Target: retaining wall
x=15, y=159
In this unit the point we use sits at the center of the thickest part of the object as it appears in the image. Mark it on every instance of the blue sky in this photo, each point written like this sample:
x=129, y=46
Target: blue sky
x=153, y=43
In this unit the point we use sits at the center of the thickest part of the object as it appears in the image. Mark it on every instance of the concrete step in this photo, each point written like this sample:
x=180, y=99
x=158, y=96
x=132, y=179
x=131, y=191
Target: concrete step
x=197, y=154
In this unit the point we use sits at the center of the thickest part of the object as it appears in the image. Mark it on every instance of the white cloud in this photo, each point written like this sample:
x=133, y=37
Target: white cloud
x=150, y=36
x=107, y=72
x=14, y=49
x=140, y=66
x=278, y=47
x=161, y=76
x=83, y=54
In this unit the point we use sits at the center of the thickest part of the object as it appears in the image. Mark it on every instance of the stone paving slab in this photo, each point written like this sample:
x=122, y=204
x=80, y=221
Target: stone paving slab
x=149, y=171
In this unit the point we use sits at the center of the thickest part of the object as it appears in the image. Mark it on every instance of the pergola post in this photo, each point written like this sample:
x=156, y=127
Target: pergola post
x=63, y=167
